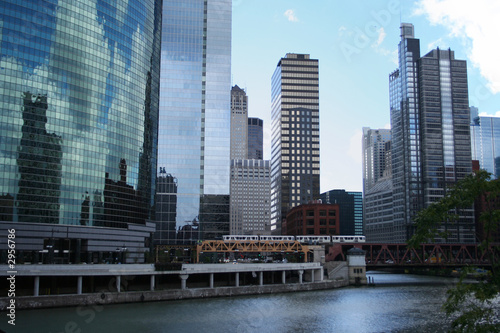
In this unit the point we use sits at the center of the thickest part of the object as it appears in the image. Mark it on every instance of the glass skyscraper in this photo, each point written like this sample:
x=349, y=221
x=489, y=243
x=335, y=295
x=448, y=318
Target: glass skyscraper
x=194, y=121
x=255, y=138
x=79, y=83
x=485, y=141
x=430, y=134
x=295, y=135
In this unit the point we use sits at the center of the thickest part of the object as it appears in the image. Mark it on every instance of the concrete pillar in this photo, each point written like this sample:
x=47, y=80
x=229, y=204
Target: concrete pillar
x=261, y=278
x=320, y=273
x=237, y=278
x=79, y=285
x=118, y=282
x=183, y=278
x=283, y=277
x=301, y=273
x=152, y=282
x=211, y=280
x=36, y=286
x=312, y=275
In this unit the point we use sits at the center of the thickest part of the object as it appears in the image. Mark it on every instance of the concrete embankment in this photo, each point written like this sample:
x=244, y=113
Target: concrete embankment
x=103, y=298
x=42, y=286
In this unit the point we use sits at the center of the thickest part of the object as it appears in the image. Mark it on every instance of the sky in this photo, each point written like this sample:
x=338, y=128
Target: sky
x=356, y=43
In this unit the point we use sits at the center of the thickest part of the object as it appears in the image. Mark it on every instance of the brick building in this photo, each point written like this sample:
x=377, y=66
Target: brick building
x=313, y=219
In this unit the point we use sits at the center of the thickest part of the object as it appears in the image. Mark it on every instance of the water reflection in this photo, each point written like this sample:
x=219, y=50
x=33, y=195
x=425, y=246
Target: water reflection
x=387, y=307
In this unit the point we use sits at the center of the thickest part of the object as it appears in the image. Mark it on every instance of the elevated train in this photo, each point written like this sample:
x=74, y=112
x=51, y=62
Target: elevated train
x=312, y=239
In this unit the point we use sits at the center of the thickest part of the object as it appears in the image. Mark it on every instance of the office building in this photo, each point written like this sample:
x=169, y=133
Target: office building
x=250, y=197
x=255, y=139
x=430, y=135
x=374, y=155
x=314, y=218
x=295, y=135
x=377, y=212
x=239, y=123
x=485, y=143
x=350, y=210
x=79, y=113
x=195, y=115
x=250, y=201
x=377, y=185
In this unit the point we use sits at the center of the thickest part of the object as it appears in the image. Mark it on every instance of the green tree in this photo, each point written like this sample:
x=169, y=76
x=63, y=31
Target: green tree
x=473, y=306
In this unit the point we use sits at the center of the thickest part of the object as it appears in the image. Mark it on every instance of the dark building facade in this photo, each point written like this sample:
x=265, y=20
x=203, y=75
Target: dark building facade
x=255, y=139
x=313, y=219
x=295, y=149
x=78, y=122
x=431, y=146
x=351, y=210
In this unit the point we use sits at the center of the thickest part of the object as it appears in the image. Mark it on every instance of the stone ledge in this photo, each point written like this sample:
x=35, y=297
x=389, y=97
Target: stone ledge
x=103, y=298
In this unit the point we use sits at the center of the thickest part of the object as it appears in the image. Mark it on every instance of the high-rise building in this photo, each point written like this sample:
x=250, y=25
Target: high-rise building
x=194, y=126
x=350, y=210
x=377, y=184
x=79, y=113
x=374, y=155
x=485, y=143
x=430, y=134
x=250, y=197
x=255, y=139
x=239, y=123
x=295, y=135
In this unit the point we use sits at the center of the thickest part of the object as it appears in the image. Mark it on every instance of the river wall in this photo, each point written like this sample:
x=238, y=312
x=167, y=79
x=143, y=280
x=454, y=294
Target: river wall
x=103, y=298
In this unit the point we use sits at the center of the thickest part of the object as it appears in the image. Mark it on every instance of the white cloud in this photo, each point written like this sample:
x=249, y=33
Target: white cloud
x=475, y=22
x=485, y=114
x=290, y=14
x=437, y=43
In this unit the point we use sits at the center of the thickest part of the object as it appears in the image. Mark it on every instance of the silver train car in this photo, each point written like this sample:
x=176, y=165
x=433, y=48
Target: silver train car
x=310, y=239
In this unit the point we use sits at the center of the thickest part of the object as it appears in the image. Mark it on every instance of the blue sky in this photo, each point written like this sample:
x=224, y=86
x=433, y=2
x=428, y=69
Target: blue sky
x=356, y=44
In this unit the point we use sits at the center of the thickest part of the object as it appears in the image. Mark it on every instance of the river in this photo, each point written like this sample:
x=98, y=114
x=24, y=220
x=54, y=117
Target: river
x=397, y=303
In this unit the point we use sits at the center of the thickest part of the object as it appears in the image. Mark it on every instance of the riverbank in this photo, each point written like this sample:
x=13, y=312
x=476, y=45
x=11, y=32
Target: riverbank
x=103, y=298
x=48, y=286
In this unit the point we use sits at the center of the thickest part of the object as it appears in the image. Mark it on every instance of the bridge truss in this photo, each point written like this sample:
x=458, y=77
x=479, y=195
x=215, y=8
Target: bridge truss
x=245, y=246
x=426, y=254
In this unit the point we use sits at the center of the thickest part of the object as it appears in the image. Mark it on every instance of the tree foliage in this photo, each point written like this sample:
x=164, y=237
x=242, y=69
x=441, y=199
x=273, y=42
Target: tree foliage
x=474, y=306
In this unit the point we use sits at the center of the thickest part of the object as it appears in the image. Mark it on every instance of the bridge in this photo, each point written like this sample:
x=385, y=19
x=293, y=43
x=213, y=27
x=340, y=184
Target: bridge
x=381, y=255
x=249, y=246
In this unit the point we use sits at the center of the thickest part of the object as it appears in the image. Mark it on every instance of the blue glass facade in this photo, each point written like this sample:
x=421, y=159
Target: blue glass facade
x=485, y=139
x=79, y=86
x=194, y=122
x=430, y=135
x=350, y=210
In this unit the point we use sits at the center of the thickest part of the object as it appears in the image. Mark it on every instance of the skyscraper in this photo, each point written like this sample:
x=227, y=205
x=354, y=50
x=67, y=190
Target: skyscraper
x=377, y=185
x=430, y=134
x=79, y=117
x=485, y=143
x=194, y=126
x=374, y=155
x=250, y=180
x=295, y=135
x=239, y=123
x=255, y=139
